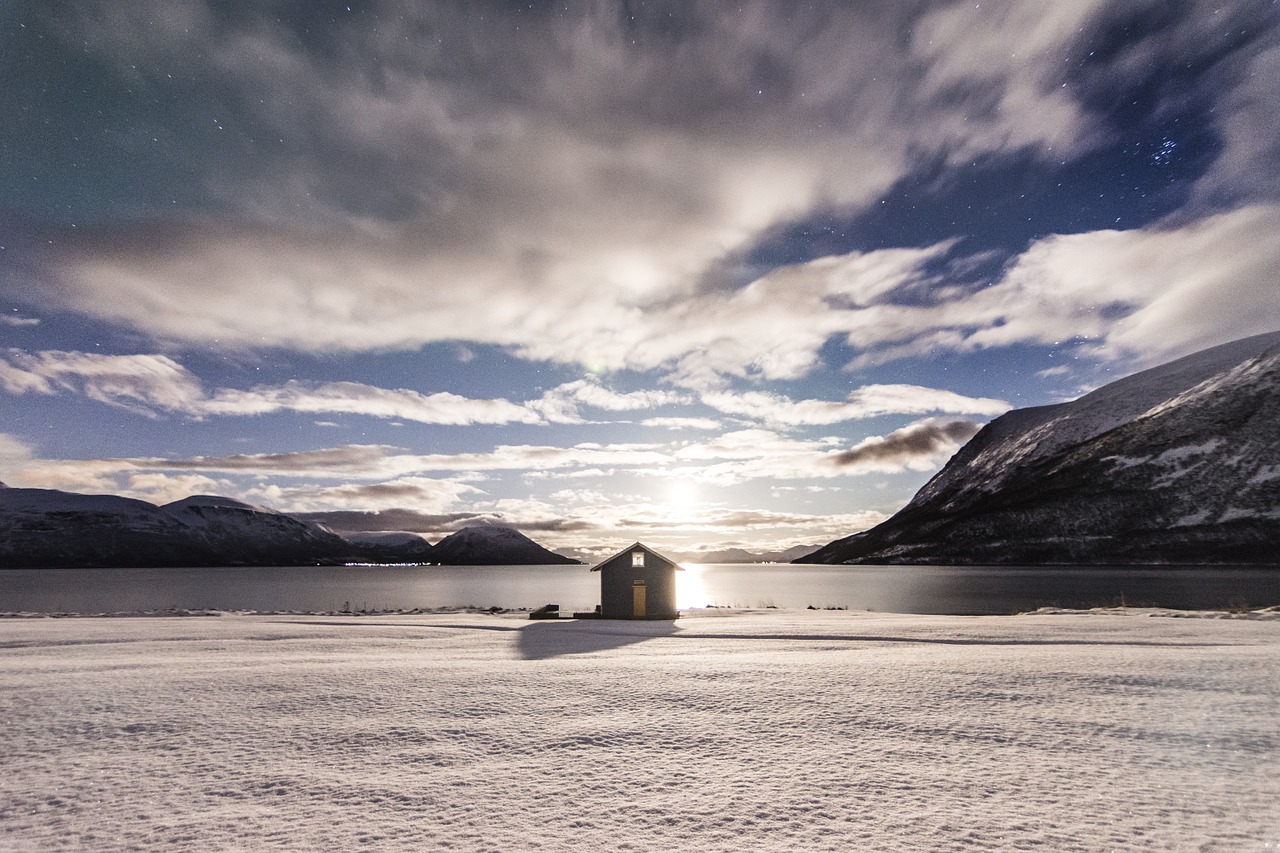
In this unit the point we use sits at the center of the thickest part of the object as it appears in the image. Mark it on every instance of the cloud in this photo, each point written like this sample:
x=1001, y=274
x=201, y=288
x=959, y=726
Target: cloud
x=994, y=61
x=1250, y=131
x=16, y=320
x=750, y=444
x=755, y=454
x=681, y=423
x=354, y=521
x=88, y=476
x=416, y=494
x=378, y=462
x=567, y=188
x=589, y=520
x=1149, y=294
x=408, y=520
x=13, y=451
x=352, y=462
x=140, y=383
x=869, y=401
x=528, y=516
x=96, y=476
x=1141, y=296
x=772, y=328
x=160, y=488
x=562, y=403
x=349, y=460
x=917, y=446
x=375, y=477
x=576, y=474
x=560, y=188
x=360, y=399
x=149, y=384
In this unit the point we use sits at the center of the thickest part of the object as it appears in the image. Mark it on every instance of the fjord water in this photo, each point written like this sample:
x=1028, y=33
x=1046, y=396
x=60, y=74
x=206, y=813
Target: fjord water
x=896, y=589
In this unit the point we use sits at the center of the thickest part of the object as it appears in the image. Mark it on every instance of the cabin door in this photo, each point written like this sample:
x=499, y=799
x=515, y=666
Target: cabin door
x=637, y=602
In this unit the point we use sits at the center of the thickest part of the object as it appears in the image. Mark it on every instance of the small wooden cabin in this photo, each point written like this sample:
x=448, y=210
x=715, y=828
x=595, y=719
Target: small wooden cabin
x=638, y=583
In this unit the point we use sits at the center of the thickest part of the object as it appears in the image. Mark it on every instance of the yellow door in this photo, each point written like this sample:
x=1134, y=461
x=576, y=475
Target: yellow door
x=637, y=602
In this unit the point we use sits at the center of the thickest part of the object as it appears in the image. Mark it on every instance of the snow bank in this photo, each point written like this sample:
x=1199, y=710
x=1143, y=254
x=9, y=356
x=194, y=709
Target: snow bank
x=780, y=730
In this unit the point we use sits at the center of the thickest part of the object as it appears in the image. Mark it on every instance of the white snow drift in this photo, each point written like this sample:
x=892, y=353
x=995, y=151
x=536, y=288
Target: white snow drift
x=780, y=730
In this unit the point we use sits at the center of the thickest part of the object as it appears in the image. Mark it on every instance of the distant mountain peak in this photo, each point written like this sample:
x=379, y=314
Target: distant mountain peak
x=491, y=544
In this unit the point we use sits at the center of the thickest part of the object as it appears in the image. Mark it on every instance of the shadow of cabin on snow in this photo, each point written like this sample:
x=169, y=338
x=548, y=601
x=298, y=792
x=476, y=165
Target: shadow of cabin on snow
x=638, y=583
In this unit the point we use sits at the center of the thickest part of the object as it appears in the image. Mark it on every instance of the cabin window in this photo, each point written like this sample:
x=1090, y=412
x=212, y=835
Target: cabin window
x=637, y=558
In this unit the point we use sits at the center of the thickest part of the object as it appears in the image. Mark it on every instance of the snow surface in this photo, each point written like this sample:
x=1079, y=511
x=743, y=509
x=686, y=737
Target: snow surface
x=42, y=501
x=723, y=731
x=189, y=510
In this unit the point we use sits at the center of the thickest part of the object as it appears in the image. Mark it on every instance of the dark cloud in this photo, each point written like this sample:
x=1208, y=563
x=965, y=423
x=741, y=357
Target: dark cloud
x=921, y=440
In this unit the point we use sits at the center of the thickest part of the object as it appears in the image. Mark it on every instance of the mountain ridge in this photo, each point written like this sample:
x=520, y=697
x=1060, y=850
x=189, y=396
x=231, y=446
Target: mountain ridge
x=52, y=528
x=1176, y=464
x=476, y=546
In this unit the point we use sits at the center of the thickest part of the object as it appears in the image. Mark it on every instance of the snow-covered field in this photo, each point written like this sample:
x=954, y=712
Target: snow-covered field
x=778, y=730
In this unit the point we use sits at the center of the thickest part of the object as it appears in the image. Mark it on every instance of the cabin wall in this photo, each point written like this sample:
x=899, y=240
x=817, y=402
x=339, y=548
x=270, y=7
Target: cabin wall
x=618, y=582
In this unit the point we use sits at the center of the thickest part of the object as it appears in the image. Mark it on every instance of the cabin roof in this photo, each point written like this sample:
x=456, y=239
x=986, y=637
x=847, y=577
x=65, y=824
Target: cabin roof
x=637, y=546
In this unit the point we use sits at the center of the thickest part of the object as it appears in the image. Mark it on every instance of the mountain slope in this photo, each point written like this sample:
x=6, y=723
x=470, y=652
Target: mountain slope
x=386, y=546
x=1177, y=464
x=490, y=545
x=246, y=534
x=44, y=527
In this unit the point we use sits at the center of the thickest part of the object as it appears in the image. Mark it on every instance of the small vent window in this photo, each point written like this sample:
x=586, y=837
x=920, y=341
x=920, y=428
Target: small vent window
x=637, y=558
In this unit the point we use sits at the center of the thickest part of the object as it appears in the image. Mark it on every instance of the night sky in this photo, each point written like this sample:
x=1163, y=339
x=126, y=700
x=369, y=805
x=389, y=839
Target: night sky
x=703, y=275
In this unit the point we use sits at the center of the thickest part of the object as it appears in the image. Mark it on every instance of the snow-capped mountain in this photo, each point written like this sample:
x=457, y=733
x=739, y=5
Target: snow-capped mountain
x=493, y=545
x=43, y=527
x=1177, y=464
x=256, y=535
x=389, y=546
